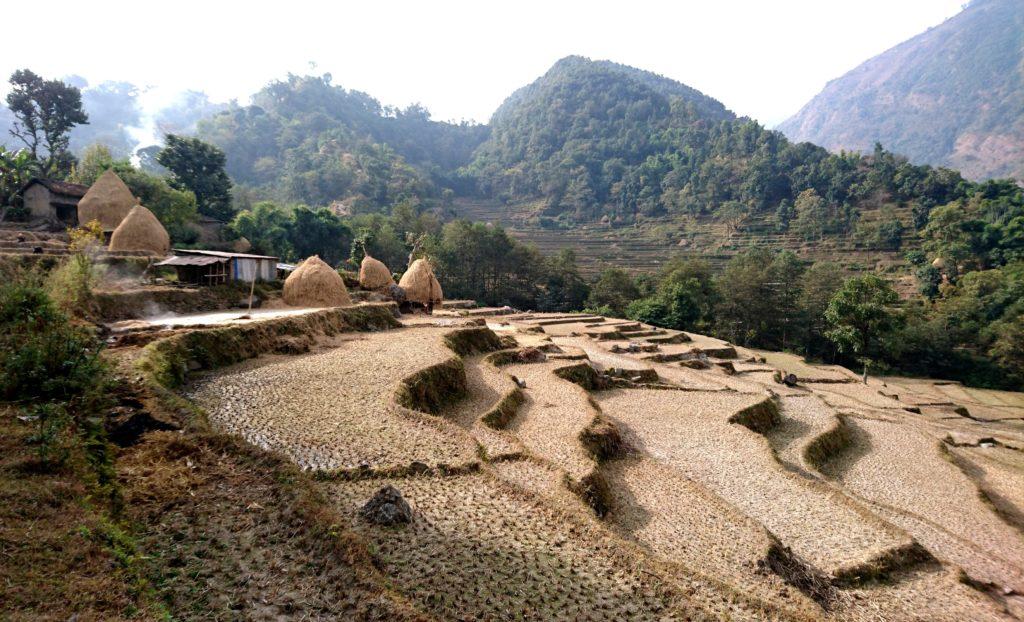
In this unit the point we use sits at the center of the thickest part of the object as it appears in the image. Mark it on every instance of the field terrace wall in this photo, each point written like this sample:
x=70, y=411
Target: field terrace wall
x=169, y=361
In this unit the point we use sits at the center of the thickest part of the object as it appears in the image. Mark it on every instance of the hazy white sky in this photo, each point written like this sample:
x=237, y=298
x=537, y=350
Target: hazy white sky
x=460, y=59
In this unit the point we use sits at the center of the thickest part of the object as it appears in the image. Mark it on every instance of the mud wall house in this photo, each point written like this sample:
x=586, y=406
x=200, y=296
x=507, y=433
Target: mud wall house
x=52, y=201
x=200, y=267
x=208, y=230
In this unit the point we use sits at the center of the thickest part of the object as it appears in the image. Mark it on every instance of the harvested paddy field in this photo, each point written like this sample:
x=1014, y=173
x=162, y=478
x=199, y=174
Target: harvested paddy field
x=336, y=408
x=590, y=470
x=693, y=435
x=906, y=478
x=506, y=556
x=552, y=416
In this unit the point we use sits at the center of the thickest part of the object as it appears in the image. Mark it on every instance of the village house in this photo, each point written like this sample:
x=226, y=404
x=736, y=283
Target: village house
x=202, y=267
x=52, y=201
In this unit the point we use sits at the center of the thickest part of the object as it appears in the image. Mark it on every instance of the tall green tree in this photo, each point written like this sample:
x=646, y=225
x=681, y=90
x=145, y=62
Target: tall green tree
x=15, y=171
x=44, y=112
x=613, y=290
x=199, y=167
x=861, y=316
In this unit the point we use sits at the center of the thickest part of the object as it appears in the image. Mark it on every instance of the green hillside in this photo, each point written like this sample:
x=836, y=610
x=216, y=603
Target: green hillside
x=952, y=96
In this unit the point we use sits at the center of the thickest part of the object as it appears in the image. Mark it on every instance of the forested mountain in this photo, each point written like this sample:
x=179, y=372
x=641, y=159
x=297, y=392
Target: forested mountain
x=601, y=141
x=306, y=140
x=952, y=96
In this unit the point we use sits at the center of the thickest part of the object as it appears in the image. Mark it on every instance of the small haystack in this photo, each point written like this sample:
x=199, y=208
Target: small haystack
x=373, y=274
x=141, y=231
x=315, y=284
x=107, y=201
x=241, y=245
x=420, y=285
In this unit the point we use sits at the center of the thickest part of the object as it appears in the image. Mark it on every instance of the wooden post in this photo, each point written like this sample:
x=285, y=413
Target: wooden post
x=252, y=288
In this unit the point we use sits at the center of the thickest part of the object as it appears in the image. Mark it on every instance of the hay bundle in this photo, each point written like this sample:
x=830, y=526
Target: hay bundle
x=107, y=201
x=315, y=284
x=141, y=231
x=373, y=274
x=420, y=284
x=241, y=245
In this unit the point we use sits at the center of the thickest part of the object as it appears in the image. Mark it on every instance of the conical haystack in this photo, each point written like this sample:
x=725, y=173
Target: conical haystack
x=315, y=284
x=419, y=283
x=241, y=245
x=373, y=274
x=141, y=231
x=107, y=201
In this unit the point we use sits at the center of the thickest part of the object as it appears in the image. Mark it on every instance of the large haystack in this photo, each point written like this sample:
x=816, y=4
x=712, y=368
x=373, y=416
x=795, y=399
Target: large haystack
x=315, y=284
x=107, y=201
x=420, y=285
x=141, y=231
x=373, y=274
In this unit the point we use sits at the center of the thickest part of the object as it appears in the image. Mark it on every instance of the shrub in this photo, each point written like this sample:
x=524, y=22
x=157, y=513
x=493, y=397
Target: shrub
x=47, y=364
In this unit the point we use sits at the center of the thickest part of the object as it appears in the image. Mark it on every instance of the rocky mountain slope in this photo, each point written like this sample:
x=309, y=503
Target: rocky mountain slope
x=952, y=96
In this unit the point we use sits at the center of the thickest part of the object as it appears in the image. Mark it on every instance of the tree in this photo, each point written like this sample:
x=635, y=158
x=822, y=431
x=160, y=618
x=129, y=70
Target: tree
x=811, y=215
x=319, y=232
x=614, y=289
x=199, y=167
x=267, y=227
x=860, y=315
x=15, y=171
x=45, y=111
x=819, y=283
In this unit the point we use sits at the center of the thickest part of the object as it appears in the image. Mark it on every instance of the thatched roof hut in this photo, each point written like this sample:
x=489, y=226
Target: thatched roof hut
x=315, y=284
x=107, y=201
x=420, y=284
x=373, y=274
x=141, y=231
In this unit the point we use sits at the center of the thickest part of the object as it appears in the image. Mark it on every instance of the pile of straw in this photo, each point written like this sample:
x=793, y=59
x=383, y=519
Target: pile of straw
x=374, y=275
x=107, y=201
x=141, y=231
x=315, y=284
x=420, y=284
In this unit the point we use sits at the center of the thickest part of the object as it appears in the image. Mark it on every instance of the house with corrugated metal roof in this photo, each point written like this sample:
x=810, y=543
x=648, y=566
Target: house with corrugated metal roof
x=200, y=267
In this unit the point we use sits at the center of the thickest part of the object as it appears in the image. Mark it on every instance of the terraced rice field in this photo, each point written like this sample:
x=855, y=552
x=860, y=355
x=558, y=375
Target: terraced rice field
x=336, y=409
x=694, y=437
x=552, y=417
x=729, y=497
x=478, y=550
x=907, y=480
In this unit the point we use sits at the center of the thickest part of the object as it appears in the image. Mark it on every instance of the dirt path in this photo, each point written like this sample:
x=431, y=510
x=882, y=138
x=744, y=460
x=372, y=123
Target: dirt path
x=334, y=409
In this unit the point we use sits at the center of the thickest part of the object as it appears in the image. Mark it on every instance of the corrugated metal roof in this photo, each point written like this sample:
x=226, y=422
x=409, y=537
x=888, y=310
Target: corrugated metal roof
x=192, y=260
x=287, y=267
x=190, y=251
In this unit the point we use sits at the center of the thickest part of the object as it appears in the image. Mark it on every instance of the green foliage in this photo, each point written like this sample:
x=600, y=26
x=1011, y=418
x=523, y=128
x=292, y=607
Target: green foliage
x=563, y=288
x=15, y=171
x=861, y=316
x=306, y=140
x=45, y=111
x=48, y=364
x=615, y=289
x=759, y=291
x=596, y=140
x=295, y=232
x=683, y=297
x=198, y=167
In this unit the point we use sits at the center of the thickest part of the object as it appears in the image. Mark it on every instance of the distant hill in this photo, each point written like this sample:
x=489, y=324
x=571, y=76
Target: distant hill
x=952, y=96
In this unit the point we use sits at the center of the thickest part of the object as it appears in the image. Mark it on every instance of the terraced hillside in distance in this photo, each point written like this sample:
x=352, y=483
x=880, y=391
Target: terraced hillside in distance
x=646, y=246
x=578, y=467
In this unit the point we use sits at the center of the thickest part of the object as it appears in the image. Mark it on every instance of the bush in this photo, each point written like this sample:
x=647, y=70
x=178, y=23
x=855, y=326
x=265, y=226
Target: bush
x=48, y=364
